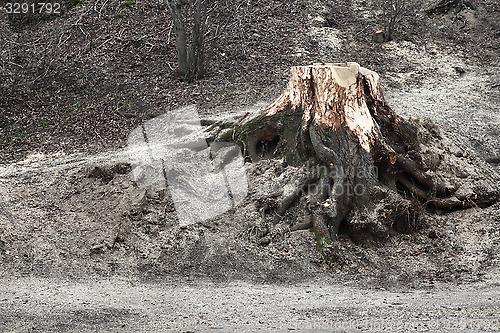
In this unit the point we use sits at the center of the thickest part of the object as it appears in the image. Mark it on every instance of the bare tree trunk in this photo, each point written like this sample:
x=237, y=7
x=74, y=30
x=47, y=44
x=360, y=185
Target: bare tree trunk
x=197, y=45
x=176, y=10
x=191, y=55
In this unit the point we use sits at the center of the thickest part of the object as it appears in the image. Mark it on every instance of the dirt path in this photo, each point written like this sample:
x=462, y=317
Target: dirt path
x=118, y=305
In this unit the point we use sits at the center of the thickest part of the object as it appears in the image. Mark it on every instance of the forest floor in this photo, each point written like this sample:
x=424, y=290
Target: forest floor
x=100, y=253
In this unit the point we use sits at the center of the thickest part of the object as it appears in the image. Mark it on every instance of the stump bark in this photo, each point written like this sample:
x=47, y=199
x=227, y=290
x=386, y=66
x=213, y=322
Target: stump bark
x=371, y=173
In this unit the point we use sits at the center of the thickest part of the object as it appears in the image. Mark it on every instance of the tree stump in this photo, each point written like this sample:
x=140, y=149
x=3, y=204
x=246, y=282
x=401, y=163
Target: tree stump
x=373, y=169
x=379, y=36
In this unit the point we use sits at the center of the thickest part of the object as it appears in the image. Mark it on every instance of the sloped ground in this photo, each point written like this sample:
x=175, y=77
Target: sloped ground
x=63, y=220
x=84, y=80
x=80, y=83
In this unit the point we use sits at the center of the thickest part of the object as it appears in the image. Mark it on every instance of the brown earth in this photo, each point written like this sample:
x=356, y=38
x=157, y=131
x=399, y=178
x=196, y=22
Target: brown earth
x=73, y=87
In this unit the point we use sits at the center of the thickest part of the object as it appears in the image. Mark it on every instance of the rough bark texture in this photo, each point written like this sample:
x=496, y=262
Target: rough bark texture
x=191, y=56
x=371, y=173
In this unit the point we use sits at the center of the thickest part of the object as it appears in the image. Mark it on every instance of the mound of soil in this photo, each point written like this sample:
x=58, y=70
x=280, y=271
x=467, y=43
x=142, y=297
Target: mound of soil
x=73, y=87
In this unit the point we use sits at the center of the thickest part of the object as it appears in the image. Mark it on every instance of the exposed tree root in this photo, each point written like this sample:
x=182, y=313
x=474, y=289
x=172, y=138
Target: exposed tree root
x=372, y=170
x=288, y=200
x=423, y=178
x=307, y=224
x=318, y=210
x=412, y=188
x=493, y=160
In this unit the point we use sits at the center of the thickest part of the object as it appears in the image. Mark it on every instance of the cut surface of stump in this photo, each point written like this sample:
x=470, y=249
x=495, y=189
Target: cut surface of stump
x=379, y=36
x=368, y=169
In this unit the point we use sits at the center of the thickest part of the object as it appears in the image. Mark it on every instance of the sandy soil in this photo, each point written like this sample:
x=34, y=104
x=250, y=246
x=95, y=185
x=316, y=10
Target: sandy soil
x=60, y=224
x=185, y=306
x=80, y=253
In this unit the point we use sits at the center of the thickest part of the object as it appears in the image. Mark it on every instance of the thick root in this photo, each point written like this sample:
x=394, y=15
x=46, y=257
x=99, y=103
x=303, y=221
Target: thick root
x=336, y=115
